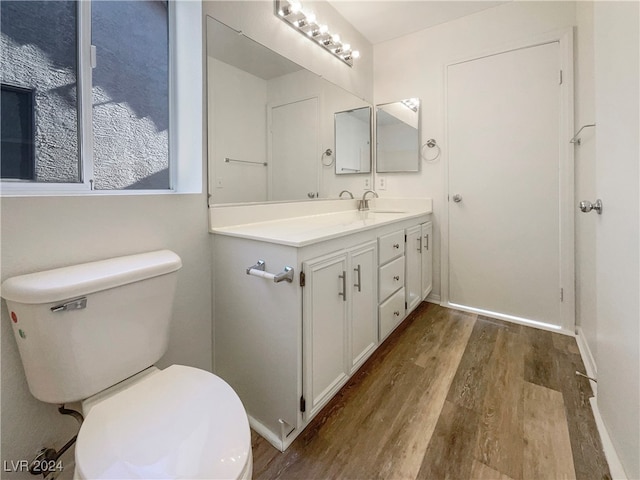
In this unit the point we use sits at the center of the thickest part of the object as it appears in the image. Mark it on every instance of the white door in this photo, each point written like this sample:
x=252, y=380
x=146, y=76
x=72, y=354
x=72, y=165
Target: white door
x=504, y=185
x=294, y=155
x=364, y=303
x=427, y=259
x=325, y=329
x=413, y=267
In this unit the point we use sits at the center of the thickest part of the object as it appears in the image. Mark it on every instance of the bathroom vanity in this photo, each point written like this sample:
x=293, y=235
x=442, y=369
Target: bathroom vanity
x=287, y=347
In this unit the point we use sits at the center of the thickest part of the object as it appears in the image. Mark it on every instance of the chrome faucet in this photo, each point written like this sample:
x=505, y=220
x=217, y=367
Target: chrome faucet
x=345, y=191
x=363, y=204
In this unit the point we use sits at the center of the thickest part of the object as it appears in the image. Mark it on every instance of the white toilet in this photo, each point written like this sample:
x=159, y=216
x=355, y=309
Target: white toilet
x=92, y=333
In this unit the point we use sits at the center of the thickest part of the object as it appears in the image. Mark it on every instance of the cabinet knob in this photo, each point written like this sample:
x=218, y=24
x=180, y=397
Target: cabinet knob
x=396, y=245
x=396, y=278
x=396, y=313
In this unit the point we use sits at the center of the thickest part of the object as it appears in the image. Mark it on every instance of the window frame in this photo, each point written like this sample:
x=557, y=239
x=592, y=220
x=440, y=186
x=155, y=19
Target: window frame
x=185, y=109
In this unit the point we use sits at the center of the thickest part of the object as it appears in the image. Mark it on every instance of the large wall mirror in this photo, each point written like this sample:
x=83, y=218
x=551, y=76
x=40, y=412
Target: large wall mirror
x=271, y=124
x=398, y=136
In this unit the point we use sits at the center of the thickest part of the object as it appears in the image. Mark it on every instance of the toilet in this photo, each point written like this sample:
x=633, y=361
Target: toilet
x=92, y=333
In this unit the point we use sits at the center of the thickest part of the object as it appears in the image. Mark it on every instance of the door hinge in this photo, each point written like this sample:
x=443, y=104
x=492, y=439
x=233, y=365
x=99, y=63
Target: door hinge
x=405, y=238
x=562, y=294
x=406, y=305
x=303, y=404
x=560, y=77
x=303, y=279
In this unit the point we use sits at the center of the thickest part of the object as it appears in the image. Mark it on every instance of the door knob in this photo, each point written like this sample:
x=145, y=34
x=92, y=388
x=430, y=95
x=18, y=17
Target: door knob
x=586, y=206
x=457, y=198
x=311, y=194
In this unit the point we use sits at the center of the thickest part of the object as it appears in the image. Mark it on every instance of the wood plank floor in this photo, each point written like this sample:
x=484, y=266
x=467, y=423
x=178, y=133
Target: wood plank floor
x=452, y=395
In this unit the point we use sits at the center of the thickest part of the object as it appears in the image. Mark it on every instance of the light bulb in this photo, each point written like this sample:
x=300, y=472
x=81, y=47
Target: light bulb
x=355, y=54
x=311, y=17
x=346, y=47
x=323, y=29
x=295, y=6
x=336, y=38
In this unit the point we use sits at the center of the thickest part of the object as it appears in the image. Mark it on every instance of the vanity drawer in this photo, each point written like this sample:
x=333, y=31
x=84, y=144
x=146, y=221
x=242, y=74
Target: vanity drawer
x=391, y=313
x=390, y=246
x=391, y=278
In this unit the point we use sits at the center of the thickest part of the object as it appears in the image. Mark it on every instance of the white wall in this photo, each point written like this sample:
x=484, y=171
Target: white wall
x=302, y=84
x=257, y=20
x=40, y=233
x=238, y=130
x=413, y=66
x=585, y=178
x=617, y=97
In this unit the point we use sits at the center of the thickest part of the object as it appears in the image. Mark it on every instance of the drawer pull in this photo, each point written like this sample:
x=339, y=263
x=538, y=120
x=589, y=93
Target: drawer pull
x=343, y=294
x=419, y=244
x=396, y=278
x=426, y=242
x=359, y=284
x=396, y=313
x=396, y=245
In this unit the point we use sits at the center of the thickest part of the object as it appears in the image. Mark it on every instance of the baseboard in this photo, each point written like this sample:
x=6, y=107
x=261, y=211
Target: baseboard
x=432, y=298
x=266, y=433
x=587, y=358
x=615, y=466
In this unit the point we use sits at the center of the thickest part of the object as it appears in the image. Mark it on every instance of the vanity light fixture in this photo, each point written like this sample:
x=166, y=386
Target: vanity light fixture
x=411, y=103
x=305, y=22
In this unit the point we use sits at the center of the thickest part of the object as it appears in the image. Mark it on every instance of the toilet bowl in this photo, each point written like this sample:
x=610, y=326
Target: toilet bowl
x=92, y=333
x=180, y=422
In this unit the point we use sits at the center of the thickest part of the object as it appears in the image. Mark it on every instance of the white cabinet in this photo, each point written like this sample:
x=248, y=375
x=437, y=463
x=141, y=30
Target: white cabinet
x=287, y=348
x=413, y=267
x=364, y=328
x=419, y=264
x=340, y=327
x=391, y=278
x=325, y=328
x=391, y=312
x=427, y=258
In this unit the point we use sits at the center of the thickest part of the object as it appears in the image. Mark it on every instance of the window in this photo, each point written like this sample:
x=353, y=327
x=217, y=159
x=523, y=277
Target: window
x=86, y=97
x=17, y=116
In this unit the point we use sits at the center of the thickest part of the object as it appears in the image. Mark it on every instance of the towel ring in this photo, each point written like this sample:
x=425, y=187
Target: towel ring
x=327, y=153
x=431, y=143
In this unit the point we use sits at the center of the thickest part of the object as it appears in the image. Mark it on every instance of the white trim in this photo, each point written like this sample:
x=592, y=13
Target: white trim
x=84, y=81
x=433, y=298
x=566, y=158
x=265, y=433
x=587, y=358
x=189, y=110
x=510, y=318
x=615, y=466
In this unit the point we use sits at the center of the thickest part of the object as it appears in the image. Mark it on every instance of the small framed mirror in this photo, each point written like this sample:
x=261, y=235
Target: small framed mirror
x=398, y=136
x=353, y=141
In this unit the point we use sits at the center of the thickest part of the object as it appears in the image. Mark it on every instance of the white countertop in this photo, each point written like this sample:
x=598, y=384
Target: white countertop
x=303, y=231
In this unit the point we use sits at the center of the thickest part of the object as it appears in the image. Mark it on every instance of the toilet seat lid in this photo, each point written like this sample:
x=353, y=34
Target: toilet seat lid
x=181, y=422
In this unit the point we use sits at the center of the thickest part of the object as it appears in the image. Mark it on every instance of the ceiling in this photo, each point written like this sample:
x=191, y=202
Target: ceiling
x=384, y=20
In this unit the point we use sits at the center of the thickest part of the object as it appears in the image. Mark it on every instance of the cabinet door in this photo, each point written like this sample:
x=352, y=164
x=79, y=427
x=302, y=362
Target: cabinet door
x=413, y=267
x=325, y=329
x=364, y=315
x=427, y=259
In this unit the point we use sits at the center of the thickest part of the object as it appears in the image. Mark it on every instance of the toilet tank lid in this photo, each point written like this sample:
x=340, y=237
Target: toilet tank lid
x=77, y=280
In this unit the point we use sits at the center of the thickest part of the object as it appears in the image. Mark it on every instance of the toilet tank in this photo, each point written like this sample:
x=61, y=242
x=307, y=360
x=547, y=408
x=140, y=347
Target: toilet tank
x=83, y=328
